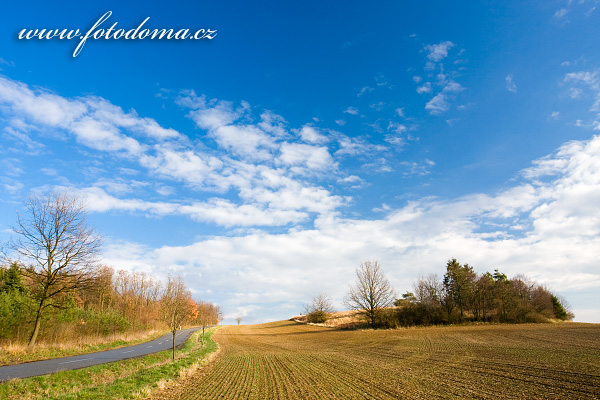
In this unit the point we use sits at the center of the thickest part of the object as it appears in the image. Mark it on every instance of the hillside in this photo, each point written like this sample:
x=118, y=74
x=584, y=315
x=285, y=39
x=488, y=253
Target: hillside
x=288, y=360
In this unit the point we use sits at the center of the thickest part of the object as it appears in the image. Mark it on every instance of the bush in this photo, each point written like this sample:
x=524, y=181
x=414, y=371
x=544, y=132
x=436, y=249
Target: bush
x=16, y=309
x=317, y=317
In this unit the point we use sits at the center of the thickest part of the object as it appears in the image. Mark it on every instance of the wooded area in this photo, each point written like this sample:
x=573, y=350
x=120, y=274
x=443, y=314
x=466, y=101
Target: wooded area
x=460, y=296
x=53, y=287
x=113, y=302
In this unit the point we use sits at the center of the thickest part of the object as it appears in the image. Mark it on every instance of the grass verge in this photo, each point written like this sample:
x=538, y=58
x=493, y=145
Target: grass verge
x=130, y=379
x=15, y=353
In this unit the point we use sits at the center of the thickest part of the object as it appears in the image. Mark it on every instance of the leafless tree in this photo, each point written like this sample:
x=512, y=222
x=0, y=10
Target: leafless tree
x=371, y=292
x=208, y=315
x=239, y=320
x=59, y=246
x=176, y=305
x=319, y=308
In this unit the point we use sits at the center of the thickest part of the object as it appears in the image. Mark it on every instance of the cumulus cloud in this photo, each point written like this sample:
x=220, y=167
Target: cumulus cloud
x=218, y=211
x=312, y=135
x=314, y=158
x=532, y=228
x=261, y=160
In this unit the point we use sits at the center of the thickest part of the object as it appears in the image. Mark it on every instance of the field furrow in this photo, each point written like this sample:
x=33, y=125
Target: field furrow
x=285, y=360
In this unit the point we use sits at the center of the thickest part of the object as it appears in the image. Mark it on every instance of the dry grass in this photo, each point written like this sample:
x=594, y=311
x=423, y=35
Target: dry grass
x=16, y=352
x=287, y=360
x=135, y=378
x=340, y=319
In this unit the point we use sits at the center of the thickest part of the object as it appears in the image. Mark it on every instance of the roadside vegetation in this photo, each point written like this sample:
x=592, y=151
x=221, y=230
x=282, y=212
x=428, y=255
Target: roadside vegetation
x=57, y=300
x=460, y=296
x=136, y=378
x=15, y=353
x=287, y=360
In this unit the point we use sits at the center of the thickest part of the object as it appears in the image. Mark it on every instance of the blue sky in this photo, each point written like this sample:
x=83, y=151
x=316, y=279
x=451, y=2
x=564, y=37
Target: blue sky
x=266, y=164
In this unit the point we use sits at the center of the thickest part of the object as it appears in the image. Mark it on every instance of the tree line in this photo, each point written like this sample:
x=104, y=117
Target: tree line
x=460, y=296
x=52, y=287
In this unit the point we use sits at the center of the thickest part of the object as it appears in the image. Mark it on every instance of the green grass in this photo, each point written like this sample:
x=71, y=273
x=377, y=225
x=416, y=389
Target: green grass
x=129, y=379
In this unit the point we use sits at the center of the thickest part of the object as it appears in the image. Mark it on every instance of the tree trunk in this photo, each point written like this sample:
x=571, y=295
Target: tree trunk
x=174, y=345
x=36, y=328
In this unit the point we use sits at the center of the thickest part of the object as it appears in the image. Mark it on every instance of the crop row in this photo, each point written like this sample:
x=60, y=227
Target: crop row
x=286, y=360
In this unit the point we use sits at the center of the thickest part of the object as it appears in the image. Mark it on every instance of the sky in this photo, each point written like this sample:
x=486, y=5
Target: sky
x=265, y=164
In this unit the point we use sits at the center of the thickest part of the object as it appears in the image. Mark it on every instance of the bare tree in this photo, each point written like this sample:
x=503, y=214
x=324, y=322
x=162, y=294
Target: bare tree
x=239, y=320
x=371, y=292
x=176, y=305
x=319, y=308
x=208, y=315
x=54, y=238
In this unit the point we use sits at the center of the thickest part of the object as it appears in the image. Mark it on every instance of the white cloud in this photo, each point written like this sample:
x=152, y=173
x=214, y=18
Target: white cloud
x=310, y=134
x=556, y=219
x=585, y=85
x=273, y=124
x=352, y=110
x=216, y=116
x=363, y=90
x=586, y=77
x=352, y=180
x=21, y=132
x=103, y=136
x=8, y=63
x=102, y=110
x=425, y=88
x=452, y=121
x=575, y=93
x=353, y=146
x=165, y=190
x=532, y=228
x=415, y=168
x=260, y=162
x=560, y=13
x=510, y=84
x=246, y=141
x=185, y=165
x=453, y=87
x=381, y=80
x=312, y=157
x=396, y=136
x=95, y=122
x=377, y=106
x=225, y=213
x=218, y=211
x=444, y=87
x=384, y=208
x=438, y=105
x=437, y=52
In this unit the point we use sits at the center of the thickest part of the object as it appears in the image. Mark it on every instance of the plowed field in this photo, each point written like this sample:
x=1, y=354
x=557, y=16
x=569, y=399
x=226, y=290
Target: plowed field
x=286, y=360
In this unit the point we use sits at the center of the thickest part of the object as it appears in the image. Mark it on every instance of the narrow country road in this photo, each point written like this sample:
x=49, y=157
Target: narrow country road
x=37, y=368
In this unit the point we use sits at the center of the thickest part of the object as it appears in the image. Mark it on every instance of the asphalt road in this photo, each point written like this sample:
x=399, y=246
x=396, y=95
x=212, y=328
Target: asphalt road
x=37, y=368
